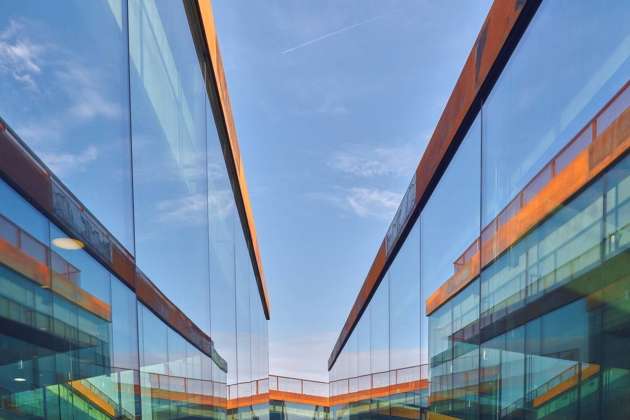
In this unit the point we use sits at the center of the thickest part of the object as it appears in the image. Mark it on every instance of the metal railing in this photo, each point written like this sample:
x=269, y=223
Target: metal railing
x=298, y=386
x=379, y=380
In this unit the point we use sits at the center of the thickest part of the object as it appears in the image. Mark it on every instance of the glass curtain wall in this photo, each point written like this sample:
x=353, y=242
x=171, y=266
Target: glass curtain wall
x=112, y=97
x=545, y=350
x=168, y=120
x=524, y=255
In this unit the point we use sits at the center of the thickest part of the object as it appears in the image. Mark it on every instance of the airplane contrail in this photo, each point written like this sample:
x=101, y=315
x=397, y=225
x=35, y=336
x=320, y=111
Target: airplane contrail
x=337, y=32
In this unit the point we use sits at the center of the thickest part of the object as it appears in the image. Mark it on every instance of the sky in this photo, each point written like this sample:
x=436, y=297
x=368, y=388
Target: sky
x=334, y=102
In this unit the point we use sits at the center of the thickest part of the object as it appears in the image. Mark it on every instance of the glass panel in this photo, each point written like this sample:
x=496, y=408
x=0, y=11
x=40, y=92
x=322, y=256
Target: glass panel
x=28, y=337
x=364, y=348
x=379, y=319
x=82, y=299
x=153, y=362
x=450, y=255
x=222, y=226
x=22, y=215
x=67, y=97
x=441, y=358
x=168, y=101
x=465, y=344
x=124, y=326
x=404, y=322
x=244, y=279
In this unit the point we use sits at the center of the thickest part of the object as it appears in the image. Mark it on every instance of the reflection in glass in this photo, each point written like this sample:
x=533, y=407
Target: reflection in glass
x=67, y=97
x=168, y=101
x=404, y=322
x=57, y=328
x=572, y=59
x=450, y=224
x=379, y=320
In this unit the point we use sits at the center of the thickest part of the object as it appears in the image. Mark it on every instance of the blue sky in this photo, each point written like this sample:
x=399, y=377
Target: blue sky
x=334, y=102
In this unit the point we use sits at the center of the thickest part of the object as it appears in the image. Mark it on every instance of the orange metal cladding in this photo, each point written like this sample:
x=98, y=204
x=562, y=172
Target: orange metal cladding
x=298, y=398
x=212, y=43
x=17, y=165
x=499, y=24
x=575, y=166
x=248, y=401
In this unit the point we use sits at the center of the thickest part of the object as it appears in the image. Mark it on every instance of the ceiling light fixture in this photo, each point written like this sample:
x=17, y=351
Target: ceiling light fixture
x=68, y=243
x=19, y=379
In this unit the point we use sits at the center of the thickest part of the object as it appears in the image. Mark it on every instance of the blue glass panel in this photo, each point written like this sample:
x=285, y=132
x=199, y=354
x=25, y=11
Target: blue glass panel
x=168, y=101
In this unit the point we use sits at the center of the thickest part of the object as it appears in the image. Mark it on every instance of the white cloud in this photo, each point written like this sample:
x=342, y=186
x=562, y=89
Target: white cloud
x=188, y=210
x=362, y=201
x=88, y=99
x=220, y=203
x=373, y=202
x=86, y=96
x=19, y=56
x=64, y=163
x=379, y=161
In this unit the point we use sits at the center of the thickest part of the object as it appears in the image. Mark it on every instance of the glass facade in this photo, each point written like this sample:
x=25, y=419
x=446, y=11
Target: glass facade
x=508, y=297
x=134, y=295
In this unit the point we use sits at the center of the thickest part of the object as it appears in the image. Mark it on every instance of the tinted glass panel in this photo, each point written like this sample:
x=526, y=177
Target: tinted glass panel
x=124, y=326
x=379, y=320
x=404, y=323
x=169, y=152
x=449, y=226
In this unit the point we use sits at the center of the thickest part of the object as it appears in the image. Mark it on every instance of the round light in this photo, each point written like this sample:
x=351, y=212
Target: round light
x=19, y=379
x=68, y=243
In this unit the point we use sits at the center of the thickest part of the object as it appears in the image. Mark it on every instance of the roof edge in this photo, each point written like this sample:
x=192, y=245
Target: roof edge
x=229, y=140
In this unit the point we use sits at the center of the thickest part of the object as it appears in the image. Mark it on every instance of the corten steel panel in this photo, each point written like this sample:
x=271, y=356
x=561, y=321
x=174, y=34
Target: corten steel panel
x=22, y=171
x=124, y=267
x=233, y=156
x=479, y=72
